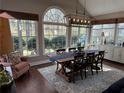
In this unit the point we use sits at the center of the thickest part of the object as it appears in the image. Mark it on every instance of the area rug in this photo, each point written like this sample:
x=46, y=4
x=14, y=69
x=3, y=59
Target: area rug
x=92, y=84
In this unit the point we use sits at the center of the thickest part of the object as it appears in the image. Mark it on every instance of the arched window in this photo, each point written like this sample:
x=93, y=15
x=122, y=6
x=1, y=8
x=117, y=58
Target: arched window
x=54, y=30
x=54, y=15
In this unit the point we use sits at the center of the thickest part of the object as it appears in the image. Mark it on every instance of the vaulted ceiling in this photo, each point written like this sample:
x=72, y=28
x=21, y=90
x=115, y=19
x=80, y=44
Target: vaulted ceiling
x=102, y=7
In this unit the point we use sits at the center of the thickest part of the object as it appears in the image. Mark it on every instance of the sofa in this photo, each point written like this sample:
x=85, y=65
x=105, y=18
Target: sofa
x=117, y=87
x=19, y=68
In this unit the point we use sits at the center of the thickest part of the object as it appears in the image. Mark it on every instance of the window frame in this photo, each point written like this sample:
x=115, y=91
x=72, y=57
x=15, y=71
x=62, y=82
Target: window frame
x=19, y=34
x=79, y=34
x=103, y=30
x=54, y=24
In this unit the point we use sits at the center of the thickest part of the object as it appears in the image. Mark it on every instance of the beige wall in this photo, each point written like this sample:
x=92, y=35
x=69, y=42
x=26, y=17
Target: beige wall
x=0, y=4
x=39, y=7
x=111, y=15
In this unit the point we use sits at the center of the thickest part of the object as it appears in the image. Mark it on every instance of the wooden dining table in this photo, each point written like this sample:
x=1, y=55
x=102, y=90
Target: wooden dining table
x=65, y=58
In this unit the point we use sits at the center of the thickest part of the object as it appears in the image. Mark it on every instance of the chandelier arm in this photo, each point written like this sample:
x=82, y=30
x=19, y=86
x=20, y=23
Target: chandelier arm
x=84, y=8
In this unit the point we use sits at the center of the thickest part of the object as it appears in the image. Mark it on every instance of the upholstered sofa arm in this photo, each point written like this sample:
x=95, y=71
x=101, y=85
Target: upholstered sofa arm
x=21, y=65
x=24, y=59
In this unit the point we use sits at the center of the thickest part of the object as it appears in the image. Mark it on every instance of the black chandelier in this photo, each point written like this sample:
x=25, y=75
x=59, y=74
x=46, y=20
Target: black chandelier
x=78, y=18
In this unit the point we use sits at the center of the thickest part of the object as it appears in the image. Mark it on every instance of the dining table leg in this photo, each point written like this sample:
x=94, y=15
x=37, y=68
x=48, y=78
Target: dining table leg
x=62, y=72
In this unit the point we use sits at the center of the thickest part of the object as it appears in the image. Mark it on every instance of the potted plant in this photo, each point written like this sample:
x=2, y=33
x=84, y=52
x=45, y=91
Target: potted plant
x=5, y=78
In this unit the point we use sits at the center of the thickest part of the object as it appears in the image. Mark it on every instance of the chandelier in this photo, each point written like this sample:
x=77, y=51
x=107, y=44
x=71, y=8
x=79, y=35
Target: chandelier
x=79, y=18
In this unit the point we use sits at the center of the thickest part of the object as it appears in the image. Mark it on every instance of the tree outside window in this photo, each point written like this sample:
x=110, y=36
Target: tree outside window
x=24, y=36
x=54, y=30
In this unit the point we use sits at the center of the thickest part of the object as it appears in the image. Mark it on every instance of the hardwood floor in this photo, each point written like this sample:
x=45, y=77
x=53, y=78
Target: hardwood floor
x=34, y=82
x=114, y=64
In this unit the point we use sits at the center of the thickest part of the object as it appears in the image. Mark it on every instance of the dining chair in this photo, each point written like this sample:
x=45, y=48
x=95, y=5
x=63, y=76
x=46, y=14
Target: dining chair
x=90, y=58
x=99, y=60
x=77, y=66
x=59, y=52
x=80, y=60
x=72, y=49
x=80, y=48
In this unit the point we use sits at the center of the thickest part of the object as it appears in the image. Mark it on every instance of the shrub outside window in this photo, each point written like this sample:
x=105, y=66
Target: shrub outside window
x=54, y=30
x=24, y=36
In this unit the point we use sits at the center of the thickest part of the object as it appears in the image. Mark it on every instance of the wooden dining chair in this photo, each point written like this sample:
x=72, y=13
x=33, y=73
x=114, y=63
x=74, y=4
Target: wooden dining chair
x=90, y=58
x=77, y=66
x=99, y=60
x=80, y=48
x=72, y=49
x=59, y=52
x=80, y=60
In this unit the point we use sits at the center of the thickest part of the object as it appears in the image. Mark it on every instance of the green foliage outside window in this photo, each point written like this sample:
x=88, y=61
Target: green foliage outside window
x=47, y=42
x=32, y=43
x=16, y=42
x=58, y=42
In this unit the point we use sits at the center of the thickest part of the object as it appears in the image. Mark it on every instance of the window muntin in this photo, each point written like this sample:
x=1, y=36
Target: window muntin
x=24, y=36
x=54, y=34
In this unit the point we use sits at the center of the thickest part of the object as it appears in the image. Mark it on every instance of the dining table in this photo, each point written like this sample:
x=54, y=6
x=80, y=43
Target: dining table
x=65, y=58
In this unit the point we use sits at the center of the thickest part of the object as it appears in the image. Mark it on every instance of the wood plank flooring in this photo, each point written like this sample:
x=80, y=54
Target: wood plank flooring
x=114, y=64
x=34, y=82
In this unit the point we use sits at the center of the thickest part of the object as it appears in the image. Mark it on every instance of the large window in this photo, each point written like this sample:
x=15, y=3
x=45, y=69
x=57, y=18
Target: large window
x=54, y=30
x=120, y=35
x=24, y=36
x=107, y=29
x=79, y=36
x=96, y=34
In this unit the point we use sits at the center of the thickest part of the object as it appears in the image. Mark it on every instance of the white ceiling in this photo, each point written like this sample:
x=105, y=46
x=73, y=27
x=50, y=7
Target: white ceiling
x=101, y=7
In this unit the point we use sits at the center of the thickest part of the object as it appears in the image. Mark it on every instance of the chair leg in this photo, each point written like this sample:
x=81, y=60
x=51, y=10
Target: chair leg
x=101, y=66
x=92, y=69
x=96, y=68
x=73, y=78
x=81, y=74
x=85, y=72
x=57, y=67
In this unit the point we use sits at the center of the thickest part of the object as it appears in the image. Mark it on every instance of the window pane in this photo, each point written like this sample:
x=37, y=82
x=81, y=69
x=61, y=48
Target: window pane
x=79, y=35
x=120, y=38
x=120, y=35
x=121, y=25
x=97, y=26
x=108, y=30
x=108, y=25
x=54, y=37
x=24, y=37
x=54, y=15
x=96, y=38
x=109, y=35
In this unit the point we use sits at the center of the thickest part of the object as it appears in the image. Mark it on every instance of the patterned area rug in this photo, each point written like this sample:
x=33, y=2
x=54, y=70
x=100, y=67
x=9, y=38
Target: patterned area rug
x=92, y=84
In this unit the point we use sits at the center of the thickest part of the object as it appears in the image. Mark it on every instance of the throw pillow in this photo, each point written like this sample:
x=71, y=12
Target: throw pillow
x=14, y=57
